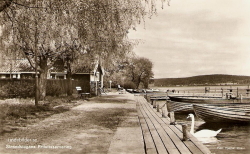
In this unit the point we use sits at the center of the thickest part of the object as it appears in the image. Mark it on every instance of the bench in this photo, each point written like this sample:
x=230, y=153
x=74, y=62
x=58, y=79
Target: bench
x=81, y=94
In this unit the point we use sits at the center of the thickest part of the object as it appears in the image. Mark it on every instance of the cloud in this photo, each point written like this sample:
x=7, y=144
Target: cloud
x=197, y=37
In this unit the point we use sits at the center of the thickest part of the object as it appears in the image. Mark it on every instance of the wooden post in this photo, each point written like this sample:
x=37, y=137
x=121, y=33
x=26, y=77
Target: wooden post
x=158, y=107
x=247, y=90
x=237, y=92
x=172, y=119
x=154, y=104
x=145, y=96
x=168, y=108
x=185, y=132
x=163, y=113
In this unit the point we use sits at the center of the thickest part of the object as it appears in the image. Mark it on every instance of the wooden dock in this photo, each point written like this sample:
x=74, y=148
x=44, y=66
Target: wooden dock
x=160, y=137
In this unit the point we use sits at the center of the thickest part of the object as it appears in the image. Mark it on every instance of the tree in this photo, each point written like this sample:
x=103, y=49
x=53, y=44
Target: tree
x=74, y=60
x=139, y=71
x=38, y=33
x=44, y=31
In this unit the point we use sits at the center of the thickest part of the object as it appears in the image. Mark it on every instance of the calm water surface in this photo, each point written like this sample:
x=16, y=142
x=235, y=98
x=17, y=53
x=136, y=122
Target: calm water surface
x=233, y=139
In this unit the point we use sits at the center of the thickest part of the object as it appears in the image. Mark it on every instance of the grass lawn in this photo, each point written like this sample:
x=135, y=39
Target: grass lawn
x=78, y=127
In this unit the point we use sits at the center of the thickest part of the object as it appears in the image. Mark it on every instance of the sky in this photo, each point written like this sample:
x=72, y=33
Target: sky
x=197, y=37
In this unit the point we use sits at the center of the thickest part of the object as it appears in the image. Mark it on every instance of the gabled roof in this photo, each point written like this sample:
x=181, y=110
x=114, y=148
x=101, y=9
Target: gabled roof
x=18, y=66
x=91, y=69
x=23, y=66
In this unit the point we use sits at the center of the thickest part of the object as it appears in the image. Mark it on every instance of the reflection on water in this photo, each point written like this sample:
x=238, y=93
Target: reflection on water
x=233, y=139
x=210, y=140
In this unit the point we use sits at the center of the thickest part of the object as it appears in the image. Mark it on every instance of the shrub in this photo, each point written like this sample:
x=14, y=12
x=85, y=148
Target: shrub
x=54, y=89
x=3, y=93
x=25, y=89
x=129, y=85
x=22, y=89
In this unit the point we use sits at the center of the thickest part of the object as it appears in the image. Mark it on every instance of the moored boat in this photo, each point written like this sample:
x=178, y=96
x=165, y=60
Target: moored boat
x=156, y=90
x=129, y=90
x=179, y=107
x=160, y=97
x=149, y=90
x=224, y=112
x=209, y=99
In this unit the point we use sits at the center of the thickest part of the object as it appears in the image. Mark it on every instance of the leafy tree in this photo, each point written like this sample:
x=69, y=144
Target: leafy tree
x=44, y=31
x=35, y=33
x=138, y=70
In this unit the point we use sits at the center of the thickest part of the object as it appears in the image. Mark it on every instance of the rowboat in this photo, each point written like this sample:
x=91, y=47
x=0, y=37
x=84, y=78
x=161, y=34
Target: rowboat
x=151, y=90
x=184, y=104
x=225, y=112
x=158, y=97
x=179, y=107
x=209, y=99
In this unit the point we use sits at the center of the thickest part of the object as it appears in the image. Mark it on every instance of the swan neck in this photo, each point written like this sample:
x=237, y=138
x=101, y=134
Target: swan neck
x=192, y=126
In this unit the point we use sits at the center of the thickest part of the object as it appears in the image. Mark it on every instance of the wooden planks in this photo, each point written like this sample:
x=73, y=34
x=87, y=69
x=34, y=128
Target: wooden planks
x=172, y=136
x=150, y=145
x=161, y=137
x=159, y=146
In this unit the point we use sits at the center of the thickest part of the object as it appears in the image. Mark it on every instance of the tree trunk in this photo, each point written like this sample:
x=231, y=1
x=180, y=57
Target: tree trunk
x=43, y=79
x=69, y=79
x=145, y=83
x=138, y=81
x=42, y=85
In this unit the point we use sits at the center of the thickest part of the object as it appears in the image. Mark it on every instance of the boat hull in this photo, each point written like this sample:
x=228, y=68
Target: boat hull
x=179, y=107
x=225, y=113
x=207, y=99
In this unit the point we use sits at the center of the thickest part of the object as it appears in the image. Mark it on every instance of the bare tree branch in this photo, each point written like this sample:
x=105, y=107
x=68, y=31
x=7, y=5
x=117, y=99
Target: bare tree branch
x=5, y=4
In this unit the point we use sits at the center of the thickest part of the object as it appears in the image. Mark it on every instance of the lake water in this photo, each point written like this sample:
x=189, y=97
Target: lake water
x=213, y=89
x=233, y=139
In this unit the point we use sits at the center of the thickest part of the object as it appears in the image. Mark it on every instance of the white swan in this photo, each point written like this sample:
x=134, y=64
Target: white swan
x=202, y=133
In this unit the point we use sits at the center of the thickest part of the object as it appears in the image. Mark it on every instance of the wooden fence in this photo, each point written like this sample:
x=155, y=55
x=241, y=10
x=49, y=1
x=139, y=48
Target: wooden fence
x=26, y=87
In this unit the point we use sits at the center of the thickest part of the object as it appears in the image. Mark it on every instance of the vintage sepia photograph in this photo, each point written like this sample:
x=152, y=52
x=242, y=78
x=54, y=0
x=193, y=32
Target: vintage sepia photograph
x=124, y=77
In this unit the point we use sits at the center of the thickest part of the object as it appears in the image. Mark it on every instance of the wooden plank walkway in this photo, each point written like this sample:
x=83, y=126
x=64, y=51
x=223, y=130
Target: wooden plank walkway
x=161, y=137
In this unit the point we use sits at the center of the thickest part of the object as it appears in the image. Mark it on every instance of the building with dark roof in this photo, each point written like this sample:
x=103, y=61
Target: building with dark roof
x=88, y=76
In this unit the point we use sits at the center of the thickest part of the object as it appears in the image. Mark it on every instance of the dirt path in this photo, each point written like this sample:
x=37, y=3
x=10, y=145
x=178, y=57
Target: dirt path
x=87, y=128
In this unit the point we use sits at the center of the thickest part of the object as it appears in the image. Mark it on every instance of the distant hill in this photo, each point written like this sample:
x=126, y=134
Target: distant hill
x=215, y=79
